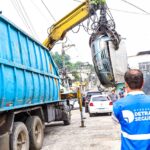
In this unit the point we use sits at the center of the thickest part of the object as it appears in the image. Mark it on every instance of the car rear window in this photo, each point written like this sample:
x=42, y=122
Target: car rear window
x=99, y=98
x=92, y=93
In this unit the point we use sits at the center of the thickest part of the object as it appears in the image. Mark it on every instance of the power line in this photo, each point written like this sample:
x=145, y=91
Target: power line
x=136, y=6
x=67, y=38
x=78, y=1
x=48, y=10
x=23, y=15
x=28, y=19
x=39, y=10
x=17, y=8
x=129, y=12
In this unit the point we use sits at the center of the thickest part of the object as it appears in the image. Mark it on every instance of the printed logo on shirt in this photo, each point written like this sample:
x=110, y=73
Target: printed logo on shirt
x=137, y=115
x=128, y=116
x=142, y=114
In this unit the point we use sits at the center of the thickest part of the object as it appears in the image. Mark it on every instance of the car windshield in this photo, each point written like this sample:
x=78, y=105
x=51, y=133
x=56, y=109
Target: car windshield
x=99, y=98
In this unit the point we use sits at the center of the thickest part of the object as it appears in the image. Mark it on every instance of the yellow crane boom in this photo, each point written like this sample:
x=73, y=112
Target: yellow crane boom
x=103, y=32
x=59, y=29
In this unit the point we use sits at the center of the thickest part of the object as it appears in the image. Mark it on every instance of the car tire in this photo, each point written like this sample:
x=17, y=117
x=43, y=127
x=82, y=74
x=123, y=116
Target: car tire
x=19, y=139
x=36, y=132
x=110, y=113
x=90, y=114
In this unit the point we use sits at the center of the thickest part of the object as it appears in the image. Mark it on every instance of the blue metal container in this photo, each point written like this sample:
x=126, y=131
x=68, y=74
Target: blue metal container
x=28, y=74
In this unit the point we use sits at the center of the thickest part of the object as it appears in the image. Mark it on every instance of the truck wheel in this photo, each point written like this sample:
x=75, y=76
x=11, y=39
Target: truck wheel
x=19, y=139
x=67, y=121
x=36, y=132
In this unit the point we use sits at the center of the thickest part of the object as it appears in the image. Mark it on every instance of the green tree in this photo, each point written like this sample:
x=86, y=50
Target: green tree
x=58, y=58
x=74, y=68
x=76, y=75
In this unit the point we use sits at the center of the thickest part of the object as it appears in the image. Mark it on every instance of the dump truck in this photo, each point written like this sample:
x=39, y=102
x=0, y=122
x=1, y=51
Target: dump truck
x=30, y=84
x=29, y=89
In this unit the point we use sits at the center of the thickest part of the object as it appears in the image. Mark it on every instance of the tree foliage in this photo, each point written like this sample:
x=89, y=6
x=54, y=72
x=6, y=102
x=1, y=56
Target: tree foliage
x=73, y=68
x=58, y=58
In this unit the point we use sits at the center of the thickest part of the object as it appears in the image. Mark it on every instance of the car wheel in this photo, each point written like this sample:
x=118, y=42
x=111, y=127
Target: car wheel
x=90, y=114
x=109, y=113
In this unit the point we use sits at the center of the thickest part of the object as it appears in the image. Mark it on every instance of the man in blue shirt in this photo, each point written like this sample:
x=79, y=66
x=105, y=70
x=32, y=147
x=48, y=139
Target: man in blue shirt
x=133, y=113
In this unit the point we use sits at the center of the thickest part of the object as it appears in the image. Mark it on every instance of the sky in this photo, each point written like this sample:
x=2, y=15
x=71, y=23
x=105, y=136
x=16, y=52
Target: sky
x=133, y=24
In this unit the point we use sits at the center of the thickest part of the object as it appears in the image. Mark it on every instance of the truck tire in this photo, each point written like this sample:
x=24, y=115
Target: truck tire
x=19, y=139
x=36, y=132
x=67, y=121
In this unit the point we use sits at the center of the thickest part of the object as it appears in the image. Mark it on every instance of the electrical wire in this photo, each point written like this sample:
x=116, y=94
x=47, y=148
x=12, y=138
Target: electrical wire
x=39, y=10
x=52, y=16
x=48, y=10
x=22, y=13
x=135, y=6
x=129, y=12
x=77, y=29
x=17, y=8
x=28, y=19
x=78, y=1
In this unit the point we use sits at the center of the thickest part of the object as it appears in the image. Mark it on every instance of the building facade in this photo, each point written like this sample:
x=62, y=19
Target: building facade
x=142, y=61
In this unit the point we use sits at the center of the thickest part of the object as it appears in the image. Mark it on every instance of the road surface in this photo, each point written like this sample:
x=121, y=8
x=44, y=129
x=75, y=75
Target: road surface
x=100, y=133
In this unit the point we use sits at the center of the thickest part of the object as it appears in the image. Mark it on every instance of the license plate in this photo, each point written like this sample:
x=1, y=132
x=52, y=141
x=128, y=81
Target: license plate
x=100, y=108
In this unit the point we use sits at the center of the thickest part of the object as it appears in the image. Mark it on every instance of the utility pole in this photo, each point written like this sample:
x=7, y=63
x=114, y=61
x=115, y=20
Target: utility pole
x=64, y=69
x=63, y=52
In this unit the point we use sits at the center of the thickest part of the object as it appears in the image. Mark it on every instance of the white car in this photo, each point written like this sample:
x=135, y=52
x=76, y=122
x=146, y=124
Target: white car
x=100, y=104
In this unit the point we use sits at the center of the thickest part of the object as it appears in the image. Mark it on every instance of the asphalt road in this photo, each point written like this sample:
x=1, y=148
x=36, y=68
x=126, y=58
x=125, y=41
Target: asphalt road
x=100, y=133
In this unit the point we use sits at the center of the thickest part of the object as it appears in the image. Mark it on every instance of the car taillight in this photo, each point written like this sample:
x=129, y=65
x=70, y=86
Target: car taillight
x=110, y=103
x=91, y=104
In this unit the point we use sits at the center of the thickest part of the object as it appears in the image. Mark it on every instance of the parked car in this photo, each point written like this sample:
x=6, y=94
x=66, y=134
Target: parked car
x=100, y=104
x=88, y=96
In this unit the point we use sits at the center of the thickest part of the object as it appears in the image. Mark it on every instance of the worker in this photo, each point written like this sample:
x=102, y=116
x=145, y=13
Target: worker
x=133, y=113
x=122, y=92
x=113, y=96
x=83, y=106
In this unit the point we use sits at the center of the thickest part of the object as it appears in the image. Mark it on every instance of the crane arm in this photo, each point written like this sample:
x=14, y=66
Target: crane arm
x=100, y=41
x=59, y=29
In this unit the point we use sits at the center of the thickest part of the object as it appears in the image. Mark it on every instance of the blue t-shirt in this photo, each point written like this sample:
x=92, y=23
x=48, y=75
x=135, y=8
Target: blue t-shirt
x=133, y=114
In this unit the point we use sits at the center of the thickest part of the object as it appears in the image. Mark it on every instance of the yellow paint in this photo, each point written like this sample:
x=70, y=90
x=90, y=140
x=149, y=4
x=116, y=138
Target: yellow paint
x=79, y=98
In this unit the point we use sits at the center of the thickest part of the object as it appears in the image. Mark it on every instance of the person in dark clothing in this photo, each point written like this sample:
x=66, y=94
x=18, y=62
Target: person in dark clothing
x=83, y=101
x=83, y=106
x=121, y=93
